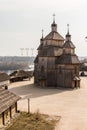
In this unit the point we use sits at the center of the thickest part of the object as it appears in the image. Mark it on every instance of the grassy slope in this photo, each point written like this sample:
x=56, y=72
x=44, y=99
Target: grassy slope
x=34, y=121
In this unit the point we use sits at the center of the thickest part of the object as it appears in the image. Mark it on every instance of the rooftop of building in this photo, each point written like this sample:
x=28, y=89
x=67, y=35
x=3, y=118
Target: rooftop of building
x=4, y=76
x=7, y=99
x=67, y=59
x=54, y=36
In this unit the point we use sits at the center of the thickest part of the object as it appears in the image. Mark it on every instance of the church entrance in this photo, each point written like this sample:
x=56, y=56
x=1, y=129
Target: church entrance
x=42, y=83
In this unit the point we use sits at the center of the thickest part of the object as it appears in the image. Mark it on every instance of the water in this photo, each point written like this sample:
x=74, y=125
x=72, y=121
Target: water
x=8, y=71
x=31, y=68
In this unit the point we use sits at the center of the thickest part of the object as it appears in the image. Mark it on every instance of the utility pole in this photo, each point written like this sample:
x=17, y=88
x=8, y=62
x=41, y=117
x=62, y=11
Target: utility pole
x=22, y=51
x=27, y=51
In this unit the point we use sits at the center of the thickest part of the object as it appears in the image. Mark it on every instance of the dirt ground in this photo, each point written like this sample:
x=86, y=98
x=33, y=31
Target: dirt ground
x=70, y=104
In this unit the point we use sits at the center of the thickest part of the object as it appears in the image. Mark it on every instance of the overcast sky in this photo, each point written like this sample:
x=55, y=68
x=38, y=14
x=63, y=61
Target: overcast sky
x=21, y=22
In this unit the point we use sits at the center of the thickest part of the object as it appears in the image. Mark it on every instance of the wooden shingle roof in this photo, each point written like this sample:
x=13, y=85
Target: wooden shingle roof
x=36, y=59
x=4, y=77
x=54, y=36
x=68, y=44
x=67, y=59
x=19, y=73
x=7, y=99
x=40, y=47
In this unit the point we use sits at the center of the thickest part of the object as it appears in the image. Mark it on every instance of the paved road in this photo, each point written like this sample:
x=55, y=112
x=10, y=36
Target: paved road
x=71, y=105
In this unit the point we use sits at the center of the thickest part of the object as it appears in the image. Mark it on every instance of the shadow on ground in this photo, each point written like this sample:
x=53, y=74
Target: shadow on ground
x=33, y=91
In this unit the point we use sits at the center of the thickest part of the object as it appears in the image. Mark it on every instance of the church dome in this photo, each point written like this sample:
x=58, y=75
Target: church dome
x=54, y=35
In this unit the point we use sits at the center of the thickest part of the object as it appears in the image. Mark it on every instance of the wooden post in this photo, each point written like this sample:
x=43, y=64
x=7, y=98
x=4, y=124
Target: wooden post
x=16, y=107
x=10, y=113
x=3, y=118
x=28, y=105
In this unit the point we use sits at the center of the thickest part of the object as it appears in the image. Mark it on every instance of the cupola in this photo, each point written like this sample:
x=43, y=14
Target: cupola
x=54, y=25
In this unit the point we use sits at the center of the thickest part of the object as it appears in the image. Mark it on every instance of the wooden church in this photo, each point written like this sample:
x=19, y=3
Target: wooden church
x=56, y=63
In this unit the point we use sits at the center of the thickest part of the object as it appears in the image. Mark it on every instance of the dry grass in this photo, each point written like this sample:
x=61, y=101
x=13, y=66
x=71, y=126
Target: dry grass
x=35, y=121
